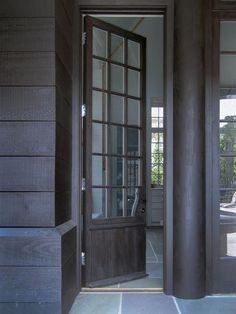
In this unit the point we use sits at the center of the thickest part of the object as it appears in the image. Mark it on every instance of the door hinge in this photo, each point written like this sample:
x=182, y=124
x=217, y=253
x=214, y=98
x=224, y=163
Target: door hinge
x=83, y=111
x=83, y=262
x=84, y=36
x=83, y=184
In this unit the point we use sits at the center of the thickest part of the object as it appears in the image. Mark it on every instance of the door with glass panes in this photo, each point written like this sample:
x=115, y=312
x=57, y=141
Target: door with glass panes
x=114, y=154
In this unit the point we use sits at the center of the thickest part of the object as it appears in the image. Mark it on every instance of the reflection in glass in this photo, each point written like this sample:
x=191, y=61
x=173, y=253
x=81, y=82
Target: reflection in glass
x=228, y=109
x=133, y=83
x=117, y=78
x=227, y=35
x=117, y=170
x=133, y=172
x=228, y=223
x=99, y=110
x=133, y=198
x=227, y=172
x=117, y=109
x=227, y=137
x=99, y=133
x=117, y=203
x=99, y=172
x=117, y=48
x=99, y=42
x=227, y=70
x=99, y=74
x=99, y=203
x=133, y=112
x=133, y=54
x=116, y=140
x=133, y=145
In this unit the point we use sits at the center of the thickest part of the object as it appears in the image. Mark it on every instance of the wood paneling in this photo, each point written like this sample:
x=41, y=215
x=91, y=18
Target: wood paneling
x=27, y=8
x=27, y=103
x=27, y=69
x=114, y=256
x=30, y=284
x=27, y=174
x=27, y=138
x=27, y=34
x=27, y=209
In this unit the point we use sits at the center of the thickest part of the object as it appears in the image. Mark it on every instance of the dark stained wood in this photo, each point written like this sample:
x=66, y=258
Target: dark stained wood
x=27, y=8
x=29, y=308
x=27, y=209
x=27, y=138
x=120, y=254
x=30, y=284
x=27, y=103
x=63, y=50
x=69, y=290
x=27, y=69
x=63, y=144
x=27, y=34
x=63, y=80
x=62, y=206
x=27, y=173
x=63, y=112
x=26, y=247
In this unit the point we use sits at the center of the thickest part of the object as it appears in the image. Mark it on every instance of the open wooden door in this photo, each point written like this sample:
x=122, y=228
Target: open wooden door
x=114, y=154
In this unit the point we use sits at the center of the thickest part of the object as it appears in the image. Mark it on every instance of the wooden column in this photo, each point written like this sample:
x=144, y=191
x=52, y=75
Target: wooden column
x=189, y=211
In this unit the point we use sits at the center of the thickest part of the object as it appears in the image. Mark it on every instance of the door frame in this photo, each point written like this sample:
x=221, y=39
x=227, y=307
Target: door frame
x=129, y=7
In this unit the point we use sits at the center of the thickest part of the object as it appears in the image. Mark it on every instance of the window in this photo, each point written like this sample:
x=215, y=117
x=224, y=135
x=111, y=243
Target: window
x=157, y=146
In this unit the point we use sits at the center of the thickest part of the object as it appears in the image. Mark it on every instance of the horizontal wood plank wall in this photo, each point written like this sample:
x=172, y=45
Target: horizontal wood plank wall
x=37, y=263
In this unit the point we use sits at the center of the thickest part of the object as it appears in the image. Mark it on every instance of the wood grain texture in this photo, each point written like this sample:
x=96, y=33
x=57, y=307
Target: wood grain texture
x=27, y=174
x=30, y=284
x=27, y=34
x=63, y=112
x=27, y=69
x=27, y=103
x=30, y=248
x=27, y=138
x=27, y=209
x=27, y=8
x=63, y=80
x=122, y=252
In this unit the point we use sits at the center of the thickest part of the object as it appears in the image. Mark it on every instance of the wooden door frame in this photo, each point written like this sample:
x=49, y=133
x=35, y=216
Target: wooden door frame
x=165, y=7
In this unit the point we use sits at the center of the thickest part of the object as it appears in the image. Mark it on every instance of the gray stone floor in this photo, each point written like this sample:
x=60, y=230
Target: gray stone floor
x=150, y=303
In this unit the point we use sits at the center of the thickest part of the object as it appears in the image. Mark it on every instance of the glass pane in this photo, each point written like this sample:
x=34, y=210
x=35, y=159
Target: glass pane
x=228, y=109
x=99, y=111
x=228, y=137
x=117, y=109
x=133, y=54
x=133, y=196
x=228, y=223
x=99, y=42
x=133, y=112
x=227, y=70
x=117, y=203
x=133, y=172
x=133, y=142
x=116, y=140
x=117, y=78
x=228, y=36
x=228, y=172
x=99, y=201
x=117, y=48
x=99, y=170
x=133, y=83
x=99, y=138
x=99, y=74
x=117, y=170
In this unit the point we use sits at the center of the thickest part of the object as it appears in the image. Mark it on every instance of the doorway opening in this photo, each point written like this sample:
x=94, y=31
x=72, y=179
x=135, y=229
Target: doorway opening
x=123, y=152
